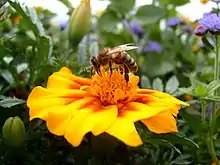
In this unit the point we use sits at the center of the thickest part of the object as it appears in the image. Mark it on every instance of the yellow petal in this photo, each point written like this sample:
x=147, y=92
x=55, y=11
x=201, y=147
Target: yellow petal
x=66, y=73
x=125, y=131
x=88, y=120
x=105, y=118
x=58, y=120
x=78, y=126
x=164, y=96
x=161, y=123
x=135, y=111
x=59, y=81
x=41, y=100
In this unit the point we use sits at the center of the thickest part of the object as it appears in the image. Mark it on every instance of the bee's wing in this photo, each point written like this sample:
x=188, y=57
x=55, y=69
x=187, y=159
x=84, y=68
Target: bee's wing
x=124, y=47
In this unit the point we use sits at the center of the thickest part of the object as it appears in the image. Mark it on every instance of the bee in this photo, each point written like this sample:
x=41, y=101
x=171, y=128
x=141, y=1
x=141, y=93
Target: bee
x=116, y=55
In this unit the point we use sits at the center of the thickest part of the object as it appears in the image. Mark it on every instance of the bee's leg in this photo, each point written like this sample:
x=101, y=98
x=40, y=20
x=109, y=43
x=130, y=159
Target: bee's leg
x=91, y=70
x=110, y=67
x=121, y=69
x=126, y=71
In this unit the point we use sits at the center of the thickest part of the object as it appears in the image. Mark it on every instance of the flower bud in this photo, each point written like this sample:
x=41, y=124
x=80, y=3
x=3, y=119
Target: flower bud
x=79, y=23
x=200, y=30
x=13, y=132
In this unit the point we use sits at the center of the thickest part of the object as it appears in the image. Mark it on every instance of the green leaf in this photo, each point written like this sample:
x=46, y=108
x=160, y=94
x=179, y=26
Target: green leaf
x=45, y=45
x=30, y=17
x=67, y=3
x=122, y=6
x=194, y=121
x=188, y=90
x=177, y=139
x=6, y=38
x=174, y=2
x=212, y=86
x=182, y=160
x=145, y=82
x=7, y=102
x=158, y=84
x=7, y=76
x=163, y=143
x=149, y=14
x=201, y=90
x=172, y=84
x=207, y=43
x=108, y=20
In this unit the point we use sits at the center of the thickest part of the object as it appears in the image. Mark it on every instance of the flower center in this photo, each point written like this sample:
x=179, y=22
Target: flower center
x=113, y=88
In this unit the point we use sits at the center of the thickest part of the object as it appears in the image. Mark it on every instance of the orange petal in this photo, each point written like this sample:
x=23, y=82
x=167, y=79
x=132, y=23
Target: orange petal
x=161, y=123
x=125, y=131
x=59, y=119
x=135, y=111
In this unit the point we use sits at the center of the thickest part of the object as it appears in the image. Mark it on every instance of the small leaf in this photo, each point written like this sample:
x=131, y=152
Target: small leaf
x=212, y=86
x=172, y=84
x=158, y=84
x=182, y=160
x=7, y=76
x=122, y=6
x=174, y=2
x=149, y=14
x=163, y=143
x=188, y=90
x=108, y=21
x=201, y=90
x=30, y=17
x=44, y=48
x=7, y=102
x=145, y=82
x=194, y=121
x=177, y=139
x=6, y=38
x=207, y=43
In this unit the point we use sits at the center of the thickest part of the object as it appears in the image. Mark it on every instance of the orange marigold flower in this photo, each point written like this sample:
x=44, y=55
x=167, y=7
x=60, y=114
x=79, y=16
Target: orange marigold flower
x=73, y=106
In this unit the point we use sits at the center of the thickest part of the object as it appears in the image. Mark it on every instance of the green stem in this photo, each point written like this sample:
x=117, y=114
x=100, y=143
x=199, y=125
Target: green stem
x=203, y=111
x=216, y=73
x=210, y=135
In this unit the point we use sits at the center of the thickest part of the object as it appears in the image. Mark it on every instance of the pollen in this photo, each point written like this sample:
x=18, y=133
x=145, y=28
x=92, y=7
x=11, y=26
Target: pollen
x=113, y=88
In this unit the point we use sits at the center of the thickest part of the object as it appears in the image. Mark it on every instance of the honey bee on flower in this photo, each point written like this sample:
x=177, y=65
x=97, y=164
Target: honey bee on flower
x=73, y=106
x=118, y=56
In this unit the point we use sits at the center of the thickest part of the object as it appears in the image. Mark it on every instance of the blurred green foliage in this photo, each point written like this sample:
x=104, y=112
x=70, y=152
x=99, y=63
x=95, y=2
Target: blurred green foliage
x=32, y=47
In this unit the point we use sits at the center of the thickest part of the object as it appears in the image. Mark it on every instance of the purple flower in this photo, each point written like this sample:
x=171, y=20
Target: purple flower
x=63, y=26
x=153, y=46
x=211, y=21
x=173, y=22
x=188, y=29
x=200, y=30
x=136, y=29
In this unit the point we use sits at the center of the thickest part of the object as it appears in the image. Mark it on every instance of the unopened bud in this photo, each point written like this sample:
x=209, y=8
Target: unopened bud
x=79, y=23
x=13, y=132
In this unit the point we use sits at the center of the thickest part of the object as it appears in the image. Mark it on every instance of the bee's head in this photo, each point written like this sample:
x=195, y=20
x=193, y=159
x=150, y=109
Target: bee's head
x=93, y=61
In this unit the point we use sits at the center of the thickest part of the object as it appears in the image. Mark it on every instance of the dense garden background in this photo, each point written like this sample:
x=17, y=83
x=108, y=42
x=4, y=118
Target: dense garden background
x=175, y=55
